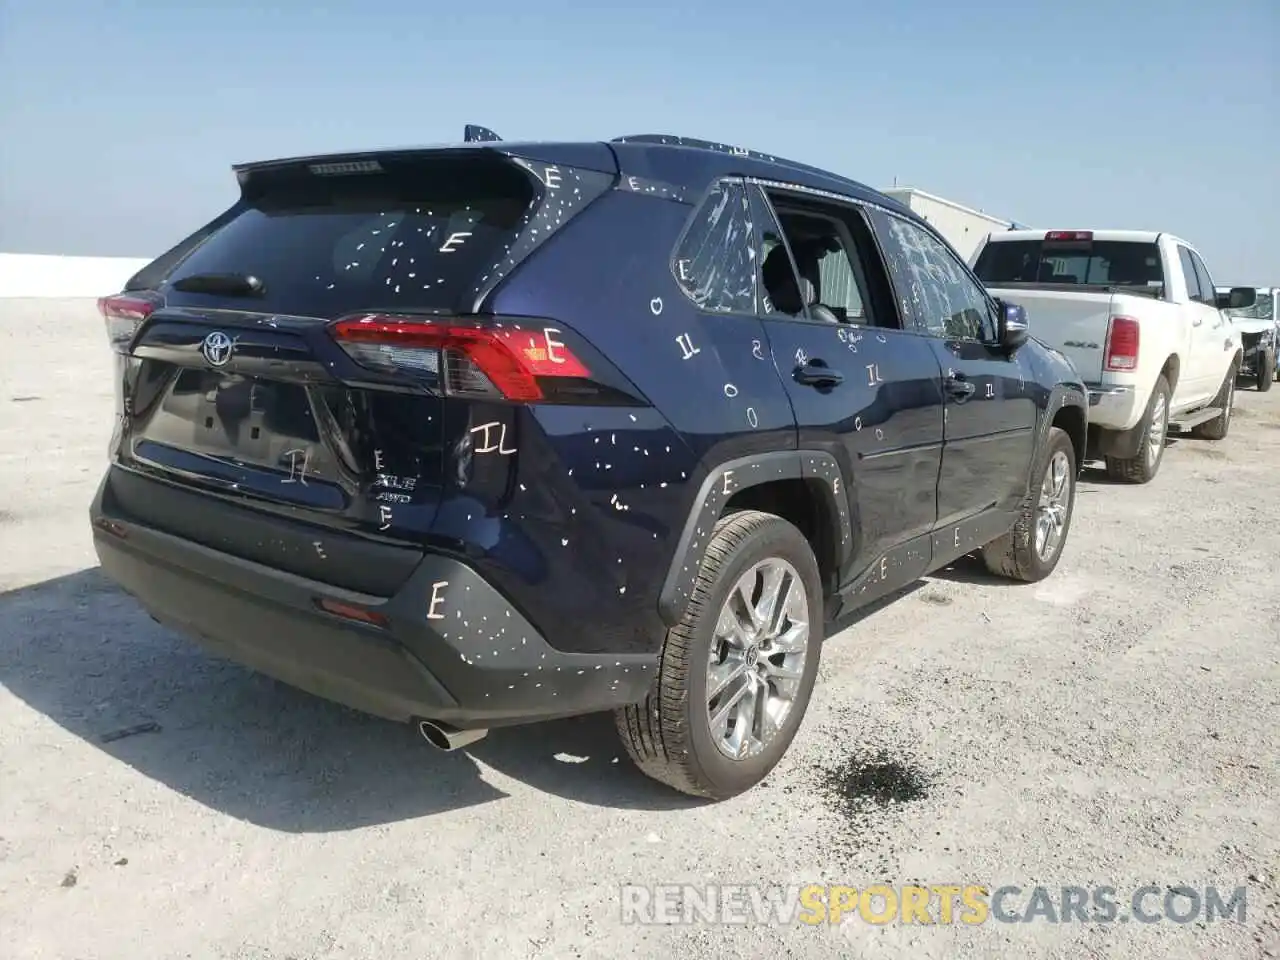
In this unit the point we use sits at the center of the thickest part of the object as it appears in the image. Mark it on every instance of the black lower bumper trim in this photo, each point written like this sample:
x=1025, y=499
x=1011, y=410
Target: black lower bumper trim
x=453, y=649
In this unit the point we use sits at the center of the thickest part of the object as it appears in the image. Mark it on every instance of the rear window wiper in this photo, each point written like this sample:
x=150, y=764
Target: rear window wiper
x=228, y=284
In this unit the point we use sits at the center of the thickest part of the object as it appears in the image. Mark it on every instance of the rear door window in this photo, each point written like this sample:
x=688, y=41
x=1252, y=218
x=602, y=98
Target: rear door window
x=1189, y=275
x=1207, y=289
x=426, y=233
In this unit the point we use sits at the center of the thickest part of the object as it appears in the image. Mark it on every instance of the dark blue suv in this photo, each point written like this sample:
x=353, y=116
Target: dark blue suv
x=494, y=433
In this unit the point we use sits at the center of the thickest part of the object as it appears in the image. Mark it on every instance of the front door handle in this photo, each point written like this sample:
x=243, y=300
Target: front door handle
x=960, y=388
x=816, y=373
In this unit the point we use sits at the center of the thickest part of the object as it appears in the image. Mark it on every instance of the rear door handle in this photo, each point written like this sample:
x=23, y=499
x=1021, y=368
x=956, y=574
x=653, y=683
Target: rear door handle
x=816, y=373
x=960, y=388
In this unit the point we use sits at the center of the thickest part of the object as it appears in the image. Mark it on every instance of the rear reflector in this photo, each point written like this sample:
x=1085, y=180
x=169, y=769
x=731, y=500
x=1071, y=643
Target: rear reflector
x=1069, y=235
x=1122, y=344
x=124, y=314
x=349, y=611
x=108, y=525
x=467, y=361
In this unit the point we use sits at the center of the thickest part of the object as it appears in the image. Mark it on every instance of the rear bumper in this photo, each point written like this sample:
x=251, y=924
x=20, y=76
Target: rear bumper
x=471, y=659
x=1114, y=407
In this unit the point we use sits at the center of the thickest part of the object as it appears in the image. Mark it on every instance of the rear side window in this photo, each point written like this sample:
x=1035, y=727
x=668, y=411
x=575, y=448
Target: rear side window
x=424, y=234
x=1110, y=262
x=714, y=262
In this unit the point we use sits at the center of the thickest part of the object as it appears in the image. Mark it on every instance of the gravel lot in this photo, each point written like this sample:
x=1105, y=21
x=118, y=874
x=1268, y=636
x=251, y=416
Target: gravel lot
x=1114, y=725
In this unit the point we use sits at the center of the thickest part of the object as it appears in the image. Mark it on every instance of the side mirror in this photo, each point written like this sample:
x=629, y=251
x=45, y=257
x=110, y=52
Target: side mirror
x=1237, y=298
x=1012, y=331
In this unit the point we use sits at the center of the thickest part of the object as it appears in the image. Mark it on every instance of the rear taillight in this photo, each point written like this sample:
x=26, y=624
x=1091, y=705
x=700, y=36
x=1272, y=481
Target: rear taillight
x=495, y=362
x=124, y=314
x=1122, y=344
x=1069, y=235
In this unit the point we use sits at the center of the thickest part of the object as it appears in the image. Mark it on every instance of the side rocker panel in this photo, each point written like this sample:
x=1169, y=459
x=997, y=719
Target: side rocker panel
x=721, y=483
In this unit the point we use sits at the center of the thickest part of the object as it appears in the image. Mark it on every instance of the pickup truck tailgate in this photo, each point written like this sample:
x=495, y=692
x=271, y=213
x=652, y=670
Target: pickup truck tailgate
x=1074, y=322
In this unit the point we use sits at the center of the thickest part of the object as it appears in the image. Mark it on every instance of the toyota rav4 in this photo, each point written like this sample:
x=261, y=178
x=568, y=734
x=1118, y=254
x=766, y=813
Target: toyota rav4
x=493, y=433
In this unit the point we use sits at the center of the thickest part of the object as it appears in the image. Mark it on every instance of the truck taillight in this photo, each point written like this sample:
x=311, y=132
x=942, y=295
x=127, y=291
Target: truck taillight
x=123, y=315
x=1068, y=235
x=480, y=362
x=1122, y=344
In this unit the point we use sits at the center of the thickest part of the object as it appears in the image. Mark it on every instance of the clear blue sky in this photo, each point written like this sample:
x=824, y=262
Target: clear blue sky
x=119, y=118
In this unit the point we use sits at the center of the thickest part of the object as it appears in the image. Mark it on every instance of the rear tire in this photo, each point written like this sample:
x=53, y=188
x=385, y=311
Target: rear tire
x=1021, y=554
x=1143, y=467
x=671, y=736
x=1216, y=429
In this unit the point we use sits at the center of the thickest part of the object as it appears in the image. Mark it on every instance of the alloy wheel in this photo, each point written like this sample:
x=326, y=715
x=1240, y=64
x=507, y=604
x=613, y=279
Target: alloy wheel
x=1053, y=507
x=757, y=658
x=1159, y=426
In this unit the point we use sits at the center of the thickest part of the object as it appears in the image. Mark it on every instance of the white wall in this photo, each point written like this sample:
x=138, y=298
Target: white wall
x=963, y=226
x=38, y=275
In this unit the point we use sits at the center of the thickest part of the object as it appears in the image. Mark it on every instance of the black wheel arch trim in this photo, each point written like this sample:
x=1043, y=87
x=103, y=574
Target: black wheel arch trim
x=731, y=477
x=1062, y=395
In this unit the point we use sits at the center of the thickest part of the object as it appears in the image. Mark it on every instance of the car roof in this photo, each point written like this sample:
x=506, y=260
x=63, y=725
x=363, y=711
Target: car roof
x=756, y=163
x=687, y=162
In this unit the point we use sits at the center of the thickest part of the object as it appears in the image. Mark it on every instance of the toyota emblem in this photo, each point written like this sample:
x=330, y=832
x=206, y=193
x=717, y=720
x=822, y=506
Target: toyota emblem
x=217, y=348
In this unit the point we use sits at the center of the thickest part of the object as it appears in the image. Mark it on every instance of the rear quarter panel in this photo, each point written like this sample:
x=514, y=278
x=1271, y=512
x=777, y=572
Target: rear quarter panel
x=602, y=494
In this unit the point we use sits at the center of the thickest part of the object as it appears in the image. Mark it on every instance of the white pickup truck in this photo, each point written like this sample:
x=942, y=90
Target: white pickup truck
x=1138, y=315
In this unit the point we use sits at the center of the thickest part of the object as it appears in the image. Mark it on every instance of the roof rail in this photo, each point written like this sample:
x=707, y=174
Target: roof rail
x=672, y=140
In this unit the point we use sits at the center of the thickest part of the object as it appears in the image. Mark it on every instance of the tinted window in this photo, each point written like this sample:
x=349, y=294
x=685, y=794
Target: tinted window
x=713, y=263
x=153, y=274
x=425, y=234
x=1189, y=274
x=1112, y=262
x=944, y=298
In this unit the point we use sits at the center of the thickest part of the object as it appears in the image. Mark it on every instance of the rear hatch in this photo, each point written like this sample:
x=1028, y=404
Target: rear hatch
x=312, y=356
x=1070, y=284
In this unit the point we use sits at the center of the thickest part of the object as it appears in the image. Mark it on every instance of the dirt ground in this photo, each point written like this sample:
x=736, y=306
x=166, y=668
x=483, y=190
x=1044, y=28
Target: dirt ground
x=1115, y=725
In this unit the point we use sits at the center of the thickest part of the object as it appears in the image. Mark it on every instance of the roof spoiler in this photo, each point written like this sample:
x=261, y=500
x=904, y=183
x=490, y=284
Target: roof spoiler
x=474, y=133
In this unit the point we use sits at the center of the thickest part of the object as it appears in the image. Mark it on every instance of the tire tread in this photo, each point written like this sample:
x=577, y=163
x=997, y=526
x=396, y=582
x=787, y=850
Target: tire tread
x=1010, y=555
x=655, y=732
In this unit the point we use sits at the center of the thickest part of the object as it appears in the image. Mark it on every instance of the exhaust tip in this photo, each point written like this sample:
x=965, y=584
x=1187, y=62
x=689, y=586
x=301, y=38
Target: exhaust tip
x=447, y=738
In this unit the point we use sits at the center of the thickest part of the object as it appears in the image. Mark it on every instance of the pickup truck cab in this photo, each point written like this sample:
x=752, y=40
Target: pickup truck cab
x=1138, y=315
x=1259, y=326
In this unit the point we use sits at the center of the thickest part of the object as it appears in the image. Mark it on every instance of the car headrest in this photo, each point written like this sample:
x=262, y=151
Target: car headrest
x=780, y=282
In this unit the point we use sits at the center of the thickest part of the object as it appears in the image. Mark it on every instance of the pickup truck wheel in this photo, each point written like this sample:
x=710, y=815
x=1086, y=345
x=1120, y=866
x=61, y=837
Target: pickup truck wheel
x=738, y=670
x=1143, y=467
x=1266, y=371
x=1031, y=550
x=1217, y=428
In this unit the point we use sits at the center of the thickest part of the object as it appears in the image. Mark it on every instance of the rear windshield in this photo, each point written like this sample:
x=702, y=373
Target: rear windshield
x=1111, y=262
x=420, y=235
